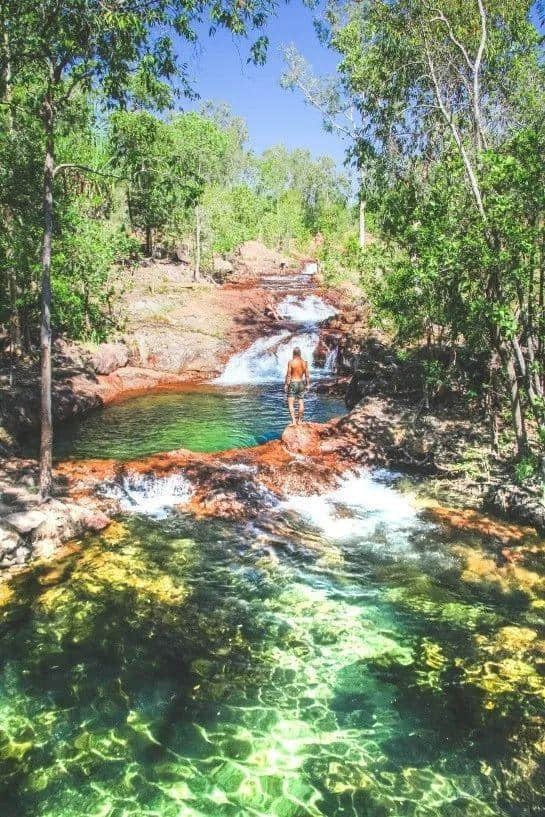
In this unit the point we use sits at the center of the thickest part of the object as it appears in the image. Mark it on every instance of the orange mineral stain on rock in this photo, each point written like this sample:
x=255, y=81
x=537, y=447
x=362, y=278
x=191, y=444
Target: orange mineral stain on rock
x=480, y=567
x=308, y=459
x=475, y=522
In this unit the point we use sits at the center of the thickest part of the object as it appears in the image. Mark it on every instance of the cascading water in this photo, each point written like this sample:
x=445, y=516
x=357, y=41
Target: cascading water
x=149, y=495
x=265, y=361
x=308, y=310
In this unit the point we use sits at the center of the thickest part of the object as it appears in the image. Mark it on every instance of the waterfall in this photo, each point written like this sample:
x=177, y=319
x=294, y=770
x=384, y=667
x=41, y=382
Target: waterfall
x=309, y=310
x=149, y=495
x=266, y=360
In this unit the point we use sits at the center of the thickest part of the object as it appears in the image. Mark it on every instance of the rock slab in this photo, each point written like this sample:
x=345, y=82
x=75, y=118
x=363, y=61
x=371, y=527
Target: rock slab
x=109, y=357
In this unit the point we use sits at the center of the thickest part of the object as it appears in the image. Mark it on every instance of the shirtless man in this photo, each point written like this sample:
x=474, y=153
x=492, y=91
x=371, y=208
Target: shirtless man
x=296, y=383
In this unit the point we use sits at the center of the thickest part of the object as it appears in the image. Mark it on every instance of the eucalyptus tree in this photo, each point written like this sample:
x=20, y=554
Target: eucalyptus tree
x=300, y=188
x=76, y=45
x=434, y=79
x=333, y=99
x=203, y=154
x=141, y=148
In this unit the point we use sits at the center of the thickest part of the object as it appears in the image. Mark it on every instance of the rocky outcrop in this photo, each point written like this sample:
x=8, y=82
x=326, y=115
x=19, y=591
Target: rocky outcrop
x=110, y=356
x=302, y=439
x=176, y=332
x=517, y=504
x=30, y=528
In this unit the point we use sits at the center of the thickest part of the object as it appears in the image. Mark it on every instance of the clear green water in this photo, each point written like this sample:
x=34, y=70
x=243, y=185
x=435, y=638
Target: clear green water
x=205, y=419
x=183, y=669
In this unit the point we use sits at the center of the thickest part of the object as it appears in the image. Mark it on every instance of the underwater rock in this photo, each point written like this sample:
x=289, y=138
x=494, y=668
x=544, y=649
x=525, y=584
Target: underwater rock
x=470, y=520
x=96, y=521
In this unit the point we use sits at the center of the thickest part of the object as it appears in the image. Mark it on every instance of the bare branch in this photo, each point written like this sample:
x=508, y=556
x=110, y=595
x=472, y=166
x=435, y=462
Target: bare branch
x=476, y=73
x=449, y=119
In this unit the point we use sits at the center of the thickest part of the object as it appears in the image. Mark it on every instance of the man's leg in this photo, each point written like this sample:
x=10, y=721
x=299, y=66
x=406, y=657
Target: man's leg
x=292, y=410
x=301, y=410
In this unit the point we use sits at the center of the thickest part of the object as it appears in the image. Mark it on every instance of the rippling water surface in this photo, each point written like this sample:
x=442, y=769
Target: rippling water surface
x=207, y=418
x=343, y=657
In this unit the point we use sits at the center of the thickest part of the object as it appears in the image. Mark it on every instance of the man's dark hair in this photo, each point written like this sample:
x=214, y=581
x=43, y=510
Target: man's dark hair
x=297, y=352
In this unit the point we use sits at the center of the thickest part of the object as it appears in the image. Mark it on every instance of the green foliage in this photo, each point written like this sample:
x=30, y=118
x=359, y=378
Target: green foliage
x=525, y=469
x=474, y=463
x=232, y=216
x=88, y=250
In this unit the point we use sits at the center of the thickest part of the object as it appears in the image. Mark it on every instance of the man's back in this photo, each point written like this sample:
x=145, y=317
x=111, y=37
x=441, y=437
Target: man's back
x=297, y=368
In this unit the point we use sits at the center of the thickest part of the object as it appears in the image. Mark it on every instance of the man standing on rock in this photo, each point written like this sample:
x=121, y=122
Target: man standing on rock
x=296, y=383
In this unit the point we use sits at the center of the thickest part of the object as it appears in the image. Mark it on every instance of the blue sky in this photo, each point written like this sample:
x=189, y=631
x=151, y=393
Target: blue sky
x=220, y=72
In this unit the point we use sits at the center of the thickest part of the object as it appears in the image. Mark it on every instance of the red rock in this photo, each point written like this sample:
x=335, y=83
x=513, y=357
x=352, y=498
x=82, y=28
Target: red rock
x=303, y=439
x=334, y=444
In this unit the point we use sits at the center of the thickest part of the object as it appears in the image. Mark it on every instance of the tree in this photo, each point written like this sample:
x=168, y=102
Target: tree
x=202, y=151
x=298, y=189
x=142, y=148
x=332, y=99
x=448, y=92
x=74, y=46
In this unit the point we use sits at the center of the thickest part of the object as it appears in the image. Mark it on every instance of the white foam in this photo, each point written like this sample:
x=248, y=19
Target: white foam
x=266, y=360
x=149, y=495
x=309, y=310
x=357, y=509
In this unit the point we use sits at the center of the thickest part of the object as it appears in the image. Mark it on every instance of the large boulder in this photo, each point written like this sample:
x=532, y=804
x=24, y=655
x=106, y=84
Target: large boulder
x=26, y=521
x=110, y=356
x=12, y=547
x=302, y=439
x=222, y=266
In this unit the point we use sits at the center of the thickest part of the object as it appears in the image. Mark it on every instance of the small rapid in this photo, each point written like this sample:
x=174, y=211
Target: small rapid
x=149, y=495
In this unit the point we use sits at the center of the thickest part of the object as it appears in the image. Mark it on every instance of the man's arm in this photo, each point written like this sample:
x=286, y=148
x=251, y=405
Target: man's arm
x=288, y=377
x=307, y=374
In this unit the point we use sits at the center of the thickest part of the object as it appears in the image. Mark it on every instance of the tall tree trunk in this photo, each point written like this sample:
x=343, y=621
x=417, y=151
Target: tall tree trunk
x=519, y=425
x=362, y=236
x=15, y=324
x=149, y=241
x=46, y=419
x=494, y=368
x=197, y=271
x=540, y=321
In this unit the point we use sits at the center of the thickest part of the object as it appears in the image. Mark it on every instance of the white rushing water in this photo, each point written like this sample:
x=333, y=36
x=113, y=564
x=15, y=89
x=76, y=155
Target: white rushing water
x=358, y=509
x=266, y=360
x=149, y=495
x=309, y=310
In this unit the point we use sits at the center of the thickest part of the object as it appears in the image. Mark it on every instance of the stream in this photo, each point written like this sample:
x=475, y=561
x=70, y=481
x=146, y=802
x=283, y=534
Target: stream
x=343, y=655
